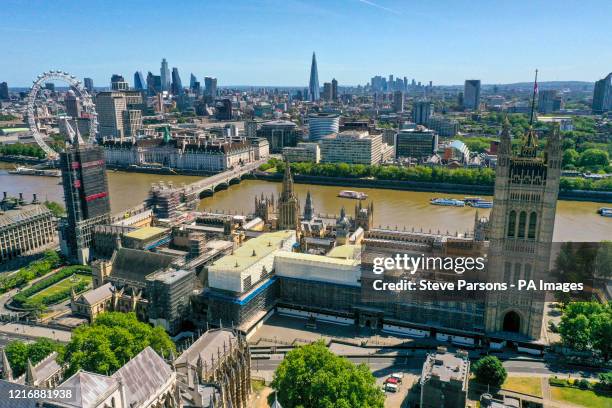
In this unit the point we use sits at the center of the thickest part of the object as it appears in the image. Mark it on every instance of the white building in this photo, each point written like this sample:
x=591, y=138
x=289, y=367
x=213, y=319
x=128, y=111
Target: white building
x=303, y=152
x=353, y=147
x=322, y=124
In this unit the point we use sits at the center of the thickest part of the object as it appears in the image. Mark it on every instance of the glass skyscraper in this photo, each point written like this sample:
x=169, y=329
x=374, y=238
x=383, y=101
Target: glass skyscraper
x=139, y=81
x=165, y=75
x=313, y=87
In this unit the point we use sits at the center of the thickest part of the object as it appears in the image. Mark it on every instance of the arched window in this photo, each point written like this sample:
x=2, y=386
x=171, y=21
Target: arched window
x=521, y=227
x=533, y=220
x=511, y=224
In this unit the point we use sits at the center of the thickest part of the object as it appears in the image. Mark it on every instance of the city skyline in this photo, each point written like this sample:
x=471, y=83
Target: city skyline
x=259, y=47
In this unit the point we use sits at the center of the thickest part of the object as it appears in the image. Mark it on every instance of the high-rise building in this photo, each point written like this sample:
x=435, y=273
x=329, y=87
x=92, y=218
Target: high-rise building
x=327, y=91
x=110, y=107
x=89, y=85
x=86, y=198
x=223, y=109
x=549, y=101
x=279, y=134
x=322, y=124
x=313, y=85
x=288, y=203
x=398, y=101
x=602, y=95
x=421, y=112
x=73, y=104
x=521, y=230
x=210, y=87
x=153, y=84
x=471, y=94
x=177, y=85
x=192, y=81
x=139, y=81
x=418, y=143
x=164, y=74
x=334, y=86
x=118, y=83
x=4, y=93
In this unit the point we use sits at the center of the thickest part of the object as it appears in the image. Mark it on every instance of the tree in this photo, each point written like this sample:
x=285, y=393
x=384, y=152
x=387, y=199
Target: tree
x=587, y=326
x=111, y=341
x=311, y=376
x=594, y=158
x=19, y=352
x=489, y=370
x=570, y=158
x=56, y=209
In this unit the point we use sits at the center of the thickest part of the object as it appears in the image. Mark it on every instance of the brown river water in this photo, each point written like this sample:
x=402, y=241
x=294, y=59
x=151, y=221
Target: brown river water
x=576, y=221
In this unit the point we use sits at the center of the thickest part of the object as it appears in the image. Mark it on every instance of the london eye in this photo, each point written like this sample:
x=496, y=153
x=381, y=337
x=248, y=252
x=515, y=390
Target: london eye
x=34, y=102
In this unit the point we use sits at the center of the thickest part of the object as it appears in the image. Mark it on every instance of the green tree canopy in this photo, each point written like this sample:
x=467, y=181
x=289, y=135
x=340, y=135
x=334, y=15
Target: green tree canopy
x=587, y=326
x=489, y=370
x=594, y=158
x=56, y=208
x=111, y=341
x=311, y=376
x=18, y=353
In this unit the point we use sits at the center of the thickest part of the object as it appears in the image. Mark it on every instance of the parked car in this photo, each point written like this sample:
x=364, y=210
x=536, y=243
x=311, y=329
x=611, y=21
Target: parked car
x=399, y=376
x=392, y=380
x=391, y=387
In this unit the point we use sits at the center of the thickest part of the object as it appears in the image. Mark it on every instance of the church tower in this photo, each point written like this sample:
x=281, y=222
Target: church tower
x=288, y=204
x=308, y=208
x=521, y=231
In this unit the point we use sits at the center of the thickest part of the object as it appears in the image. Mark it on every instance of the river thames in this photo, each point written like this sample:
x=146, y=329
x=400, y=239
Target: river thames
x=576, y=220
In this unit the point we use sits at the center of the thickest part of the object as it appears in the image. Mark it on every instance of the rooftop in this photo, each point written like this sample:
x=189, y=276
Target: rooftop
x=317, y=258
x=446, y=367
x=345, y=251
x=146, y=233
x=253, y=250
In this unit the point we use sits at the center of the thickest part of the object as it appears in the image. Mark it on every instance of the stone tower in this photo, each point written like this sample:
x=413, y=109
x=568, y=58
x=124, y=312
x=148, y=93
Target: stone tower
x=264, y=207
x=308, y=208
x=343, y=226
x=288, y=204
x=521, y=231
x=364, y=216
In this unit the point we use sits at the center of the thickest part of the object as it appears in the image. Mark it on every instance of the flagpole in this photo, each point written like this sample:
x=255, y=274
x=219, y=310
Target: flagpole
x=535, y=90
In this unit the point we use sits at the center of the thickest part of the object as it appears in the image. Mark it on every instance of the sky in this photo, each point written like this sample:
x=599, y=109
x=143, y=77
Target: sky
x=270, y=42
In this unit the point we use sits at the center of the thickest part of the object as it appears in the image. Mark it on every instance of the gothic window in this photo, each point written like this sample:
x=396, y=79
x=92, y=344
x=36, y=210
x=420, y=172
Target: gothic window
x=517, y=271
x=527, y=271
x=521, y=226
x=533, y=220
x=507, y=270
x=511, y=224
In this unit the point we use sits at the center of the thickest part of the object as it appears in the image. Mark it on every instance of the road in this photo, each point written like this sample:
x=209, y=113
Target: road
x=385, y=364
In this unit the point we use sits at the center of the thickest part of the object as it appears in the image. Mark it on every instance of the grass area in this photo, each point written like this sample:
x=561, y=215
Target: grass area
x=61, y=285
x=525, y=385
x=585, y=398
x=258, y=385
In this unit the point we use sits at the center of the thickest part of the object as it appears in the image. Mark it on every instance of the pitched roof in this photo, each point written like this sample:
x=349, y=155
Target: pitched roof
x=143, y=376
x=5, y=402
x=206, y=346
x=88, y=388
x=96, y=295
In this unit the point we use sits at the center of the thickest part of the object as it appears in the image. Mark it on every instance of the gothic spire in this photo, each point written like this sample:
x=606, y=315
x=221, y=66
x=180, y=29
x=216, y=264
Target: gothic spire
x=7, y=371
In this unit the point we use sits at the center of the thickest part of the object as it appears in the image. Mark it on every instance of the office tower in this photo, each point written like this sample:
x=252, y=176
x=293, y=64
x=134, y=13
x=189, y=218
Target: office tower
x=210, y=87
x=353, y=147
x=327, y=91
x=177, y=85
x=279, y=134
x=322, y=124
x=405, y=84
x=192, y=81
x=164, y=73
x=132, y=121
x=118, y=83
x=471, y=94
x=89, y=85
x=418, y=143
x=421, y=112
x=110, y=107
x=549, y=101
x=398, y=101
x=139, y=81
x=223, y=108
x=313, y=85
x=73, y=104
x=602, y=95
x=86, y=198
x=50, y=86
x=288, y=203
x=521, y=230
x=153, y=84
x=4, y=93
x=334, y=89
x=390, y=83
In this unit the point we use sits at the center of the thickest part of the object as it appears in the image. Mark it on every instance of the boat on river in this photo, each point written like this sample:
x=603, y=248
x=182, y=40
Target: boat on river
x=356, y=195
x=448, y=202
x=27, y=171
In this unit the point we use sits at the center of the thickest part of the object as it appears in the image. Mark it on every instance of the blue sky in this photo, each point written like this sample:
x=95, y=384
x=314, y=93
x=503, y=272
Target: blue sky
x=270, y=42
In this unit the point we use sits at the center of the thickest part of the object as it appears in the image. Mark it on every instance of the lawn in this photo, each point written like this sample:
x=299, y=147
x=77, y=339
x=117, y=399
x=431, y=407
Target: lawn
x=585, y=398
x=61, y=285
x=525, y=385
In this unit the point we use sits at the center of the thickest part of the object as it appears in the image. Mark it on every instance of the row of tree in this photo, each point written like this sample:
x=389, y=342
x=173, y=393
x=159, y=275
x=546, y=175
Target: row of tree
x=50, y=260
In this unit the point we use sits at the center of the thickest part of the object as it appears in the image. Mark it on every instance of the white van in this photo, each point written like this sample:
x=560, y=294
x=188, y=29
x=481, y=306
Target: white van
x=391, y=387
